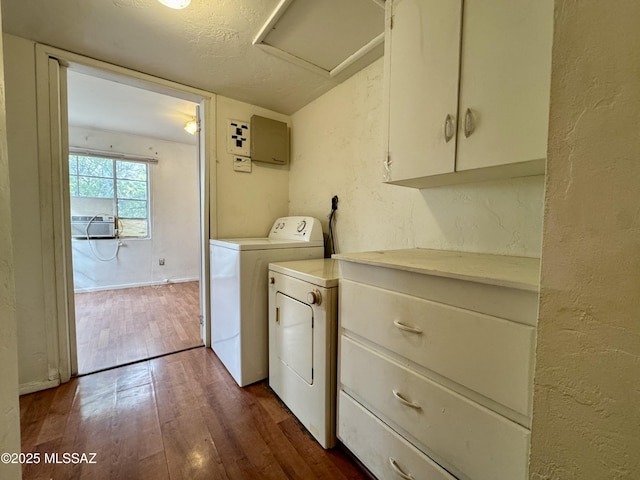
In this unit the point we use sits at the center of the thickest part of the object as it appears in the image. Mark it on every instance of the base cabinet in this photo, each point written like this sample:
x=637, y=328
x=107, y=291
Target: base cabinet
x=427, y=388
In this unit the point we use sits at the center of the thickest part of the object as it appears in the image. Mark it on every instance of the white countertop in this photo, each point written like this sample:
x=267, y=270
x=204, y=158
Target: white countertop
x=322, y=271
x=516, y=272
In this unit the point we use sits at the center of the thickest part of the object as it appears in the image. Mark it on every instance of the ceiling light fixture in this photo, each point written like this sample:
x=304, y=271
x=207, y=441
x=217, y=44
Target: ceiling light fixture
x=191, y=126
x=177, y=4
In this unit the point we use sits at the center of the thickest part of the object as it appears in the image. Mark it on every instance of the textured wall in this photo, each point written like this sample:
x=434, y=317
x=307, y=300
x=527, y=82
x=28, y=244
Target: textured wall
x=9, y=409
x=337, y=149
x=586, y=418
x=247, y=203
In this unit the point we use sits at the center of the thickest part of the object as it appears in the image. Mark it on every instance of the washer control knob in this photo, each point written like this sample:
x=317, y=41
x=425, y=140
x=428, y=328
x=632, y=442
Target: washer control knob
x=314, y=297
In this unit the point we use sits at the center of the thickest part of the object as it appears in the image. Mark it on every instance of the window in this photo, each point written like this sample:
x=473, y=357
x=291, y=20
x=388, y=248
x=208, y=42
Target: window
x=113, y=187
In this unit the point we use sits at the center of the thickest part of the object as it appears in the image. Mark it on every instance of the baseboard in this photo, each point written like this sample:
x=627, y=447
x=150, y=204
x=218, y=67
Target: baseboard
x=139, y=284
x=26, y=388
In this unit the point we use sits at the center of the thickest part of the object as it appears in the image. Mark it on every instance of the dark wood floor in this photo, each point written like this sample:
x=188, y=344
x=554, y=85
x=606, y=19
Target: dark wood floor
x=176, y=417
x=116, y=327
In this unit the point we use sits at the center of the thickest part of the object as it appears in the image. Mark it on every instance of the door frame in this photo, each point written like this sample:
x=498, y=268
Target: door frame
x=55, y=219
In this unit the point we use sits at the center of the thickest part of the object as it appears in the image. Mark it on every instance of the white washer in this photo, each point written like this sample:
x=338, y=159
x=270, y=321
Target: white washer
x=303, y=311
x=239, y=305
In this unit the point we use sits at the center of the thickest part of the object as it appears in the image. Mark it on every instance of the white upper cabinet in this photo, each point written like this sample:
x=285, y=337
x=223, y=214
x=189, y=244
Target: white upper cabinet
x=422, y=68
x=504, y=81
x=467, y=89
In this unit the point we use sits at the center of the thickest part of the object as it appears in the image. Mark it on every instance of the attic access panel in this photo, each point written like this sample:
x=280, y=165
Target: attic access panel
x=326, y=36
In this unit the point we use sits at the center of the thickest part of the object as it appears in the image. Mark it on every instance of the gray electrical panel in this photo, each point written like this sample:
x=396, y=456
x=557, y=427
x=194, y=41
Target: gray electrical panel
x=269, y=140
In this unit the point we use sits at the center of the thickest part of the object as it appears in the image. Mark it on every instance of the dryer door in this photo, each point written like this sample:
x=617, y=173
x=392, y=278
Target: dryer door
x=294, y=335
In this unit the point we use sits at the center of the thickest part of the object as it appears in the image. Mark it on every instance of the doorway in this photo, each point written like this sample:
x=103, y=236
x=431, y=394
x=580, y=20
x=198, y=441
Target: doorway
x=133, y=188
x=52, y=67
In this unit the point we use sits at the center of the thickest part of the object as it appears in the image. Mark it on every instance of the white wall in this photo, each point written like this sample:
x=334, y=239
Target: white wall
x=247, y=203
x=586, y=409
x=174, y=224
x=337, y=150
x=9, y=407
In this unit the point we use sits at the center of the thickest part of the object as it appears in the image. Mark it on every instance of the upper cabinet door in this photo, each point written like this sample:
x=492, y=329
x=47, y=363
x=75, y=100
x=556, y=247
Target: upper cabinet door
x=422, y=49
x=504, y=82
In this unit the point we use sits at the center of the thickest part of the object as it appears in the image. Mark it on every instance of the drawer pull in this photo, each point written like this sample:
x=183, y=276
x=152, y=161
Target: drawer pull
x=398, y=470
x=404, y=401
x=407, y=328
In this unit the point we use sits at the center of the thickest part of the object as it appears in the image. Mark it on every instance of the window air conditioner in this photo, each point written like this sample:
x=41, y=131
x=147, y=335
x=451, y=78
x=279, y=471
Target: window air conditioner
x=93, y=226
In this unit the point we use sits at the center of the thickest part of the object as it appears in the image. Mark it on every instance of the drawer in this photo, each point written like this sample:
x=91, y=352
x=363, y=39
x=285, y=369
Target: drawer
x=489, y=355
x=519, y=305
x=464, y=437
x=377, y=446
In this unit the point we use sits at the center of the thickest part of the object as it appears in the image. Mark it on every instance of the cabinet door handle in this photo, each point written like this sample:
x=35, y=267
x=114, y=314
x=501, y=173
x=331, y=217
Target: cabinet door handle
x=448, y=128
x=404, y=401
x=407, y=328
x=469, y=124
x=398, y=470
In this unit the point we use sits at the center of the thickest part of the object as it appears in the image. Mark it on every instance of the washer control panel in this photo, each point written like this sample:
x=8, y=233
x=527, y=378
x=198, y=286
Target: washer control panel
x=297, y=228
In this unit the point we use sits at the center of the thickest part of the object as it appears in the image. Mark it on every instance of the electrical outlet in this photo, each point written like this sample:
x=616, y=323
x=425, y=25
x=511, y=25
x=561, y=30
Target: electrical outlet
x=238, y=140
x=161, y=262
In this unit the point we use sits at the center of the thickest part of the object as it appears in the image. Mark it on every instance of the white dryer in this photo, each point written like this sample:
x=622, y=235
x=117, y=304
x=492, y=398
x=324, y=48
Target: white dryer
x=303, y=311
x=239, y=305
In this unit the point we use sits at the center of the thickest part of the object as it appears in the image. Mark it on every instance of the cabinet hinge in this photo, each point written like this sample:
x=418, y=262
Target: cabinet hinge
x=201, y=320
x=391, y=22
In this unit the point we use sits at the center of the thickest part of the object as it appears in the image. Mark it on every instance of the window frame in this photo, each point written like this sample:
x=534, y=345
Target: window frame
x=114, y=178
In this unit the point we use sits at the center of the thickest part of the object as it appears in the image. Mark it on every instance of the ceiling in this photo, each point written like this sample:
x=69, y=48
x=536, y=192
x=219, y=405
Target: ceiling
x=106, y=105
x=208, y=45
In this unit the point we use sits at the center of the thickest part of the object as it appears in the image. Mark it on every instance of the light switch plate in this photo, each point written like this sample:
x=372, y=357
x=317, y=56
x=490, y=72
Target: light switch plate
x=242, y=164
x=238, y=138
